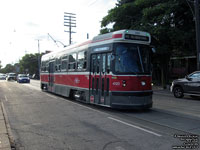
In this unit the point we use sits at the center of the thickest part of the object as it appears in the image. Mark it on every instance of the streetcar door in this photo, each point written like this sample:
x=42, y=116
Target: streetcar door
x=51, y=76
x=99, y=81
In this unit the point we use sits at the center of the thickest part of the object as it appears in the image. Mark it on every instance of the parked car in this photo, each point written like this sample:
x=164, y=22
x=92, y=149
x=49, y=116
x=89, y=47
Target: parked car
x=2, y=77
x=23, y=78
x=11, y=76
x=36, y=76
x=190, y=85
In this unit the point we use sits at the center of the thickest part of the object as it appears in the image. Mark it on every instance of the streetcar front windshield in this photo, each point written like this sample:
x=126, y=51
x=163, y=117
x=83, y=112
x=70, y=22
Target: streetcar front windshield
x=132, y=58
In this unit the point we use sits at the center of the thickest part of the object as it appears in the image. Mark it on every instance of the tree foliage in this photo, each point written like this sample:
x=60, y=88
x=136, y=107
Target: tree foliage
x=28, y=64
x=170, y=22
x=8, y=68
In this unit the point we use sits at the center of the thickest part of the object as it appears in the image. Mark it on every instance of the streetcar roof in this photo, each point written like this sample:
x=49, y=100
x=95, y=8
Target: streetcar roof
x=130, y=36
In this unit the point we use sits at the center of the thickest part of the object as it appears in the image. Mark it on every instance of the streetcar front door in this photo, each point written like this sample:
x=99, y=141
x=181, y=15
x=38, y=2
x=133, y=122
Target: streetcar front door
x=99, y=78
x=51, y=76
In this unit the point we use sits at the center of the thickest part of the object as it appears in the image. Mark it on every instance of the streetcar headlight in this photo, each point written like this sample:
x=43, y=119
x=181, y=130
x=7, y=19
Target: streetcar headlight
x=143, y=83
x=123, y=83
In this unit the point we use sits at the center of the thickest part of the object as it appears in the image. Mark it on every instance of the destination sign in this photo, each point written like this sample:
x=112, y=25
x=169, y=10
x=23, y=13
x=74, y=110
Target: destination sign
x=136, y=37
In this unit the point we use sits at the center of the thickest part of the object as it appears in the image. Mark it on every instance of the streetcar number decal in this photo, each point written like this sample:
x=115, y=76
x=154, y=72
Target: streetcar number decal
x=116, y=83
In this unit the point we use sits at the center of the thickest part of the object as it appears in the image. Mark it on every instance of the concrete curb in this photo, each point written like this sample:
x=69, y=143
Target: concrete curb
x=4, y=133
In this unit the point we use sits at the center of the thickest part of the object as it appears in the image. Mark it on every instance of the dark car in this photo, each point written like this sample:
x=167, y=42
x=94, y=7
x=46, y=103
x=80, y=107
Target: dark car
x=190, y=85
x=23, y=78
x=36, y=76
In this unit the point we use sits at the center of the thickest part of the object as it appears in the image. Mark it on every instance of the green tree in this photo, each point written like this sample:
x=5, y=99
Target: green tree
x=29, y=64
x=170, y=22
x=8, y=68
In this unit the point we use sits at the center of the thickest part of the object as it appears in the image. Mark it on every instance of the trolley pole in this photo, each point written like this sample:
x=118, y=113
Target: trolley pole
x=69, y=21
x=197, y=23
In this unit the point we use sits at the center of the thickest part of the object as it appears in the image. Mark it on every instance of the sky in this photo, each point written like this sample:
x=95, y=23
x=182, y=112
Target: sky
x=24, y=22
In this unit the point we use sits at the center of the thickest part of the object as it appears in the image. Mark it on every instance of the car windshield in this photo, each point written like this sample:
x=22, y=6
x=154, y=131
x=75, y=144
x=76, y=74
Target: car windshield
x=195, y=75
x=132, y=58
x=23, y=75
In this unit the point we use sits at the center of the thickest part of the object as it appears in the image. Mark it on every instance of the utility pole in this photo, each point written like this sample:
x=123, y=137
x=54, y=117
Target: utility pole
x=197, y=23
x=39, y=58
x=87, y=35
x=69, y=21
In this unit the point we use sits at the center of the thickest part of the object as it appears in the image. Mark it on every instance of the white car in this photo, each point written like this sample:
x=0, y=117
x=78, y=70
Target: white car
x=11, y=76
x=2, y=77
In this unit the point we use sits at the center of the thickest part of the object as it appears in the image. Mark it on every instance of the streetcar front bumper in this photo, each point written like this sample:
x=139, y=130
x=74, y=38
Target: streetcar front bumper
x=132, y=100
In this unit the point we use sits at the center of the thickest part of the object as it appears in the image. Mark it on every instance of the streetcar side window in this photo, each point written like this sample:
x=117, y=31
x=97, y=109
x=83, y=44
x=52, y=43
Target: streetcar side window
x=47, y=66
x=72, y=62
x=64, y=63
x=56, y=68
x=108, y=63
x=82, y=60
x=50, y=66
x=98, y=63
x=104, y=64
x=93, y=66
x=58, y=65
x=43, y=66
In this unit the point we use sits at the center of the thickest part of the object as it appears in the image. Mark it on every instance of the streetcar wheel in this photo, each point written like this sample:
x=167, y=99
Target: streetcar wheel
x=178, y=92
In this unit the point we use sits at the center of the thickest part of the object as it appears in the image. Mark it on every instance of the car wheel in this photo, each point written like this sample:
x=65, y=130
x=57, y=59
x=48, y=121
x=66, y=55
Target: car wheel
x=178, y=92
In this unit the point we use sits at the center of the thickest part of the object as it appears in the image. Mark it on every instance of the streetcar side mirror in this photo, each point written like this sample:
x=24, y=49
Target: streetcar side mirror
x=112, y=57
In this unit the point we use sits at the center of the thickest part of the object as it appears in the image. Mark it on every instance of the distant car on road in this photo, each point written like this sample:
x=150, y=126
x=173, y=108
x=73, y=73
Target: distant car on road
x=2, y=77
x=23, y=78
x=11, y=76
x=190, y=85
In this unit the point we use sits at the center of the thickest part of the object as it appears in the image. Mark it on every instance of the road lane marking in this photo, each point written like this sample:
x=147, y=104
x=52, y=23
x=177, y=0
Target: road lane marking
x=131, y=125
x=6, y=99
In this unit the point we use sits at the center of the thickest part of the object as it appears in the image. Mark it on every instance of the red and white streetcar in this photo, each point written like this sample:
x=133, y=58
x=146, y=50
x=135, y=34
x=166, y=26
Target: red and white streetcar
x=111, y=70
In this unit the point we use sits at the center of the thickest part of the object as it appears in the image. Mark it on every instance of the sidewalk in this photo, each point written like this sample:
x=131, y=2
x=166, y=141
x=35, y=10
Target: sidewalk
x=4, y=140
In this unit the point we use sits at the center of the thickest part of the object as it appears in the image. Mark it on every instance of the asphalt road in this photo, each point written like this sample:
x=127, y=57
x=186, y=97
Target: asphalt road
x=44, y=121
